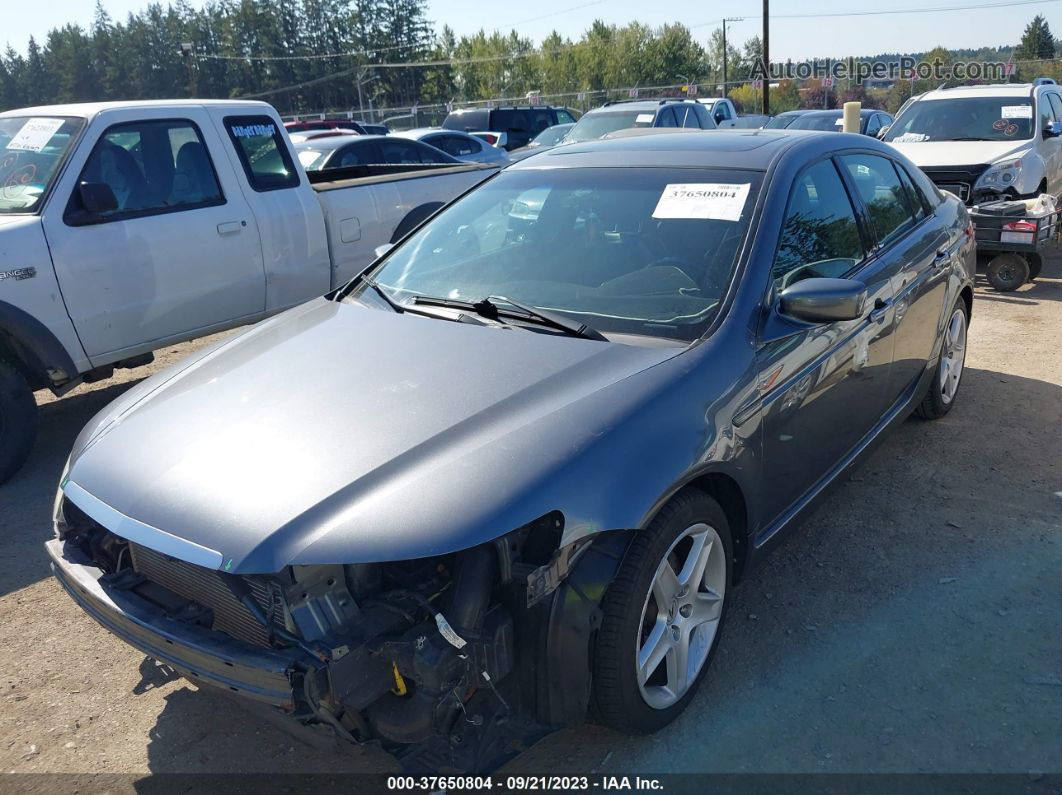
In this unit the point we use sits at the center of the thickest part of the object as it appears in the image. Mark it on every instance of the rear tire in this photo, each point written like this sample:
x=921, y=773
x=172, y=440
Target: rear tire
x=18, y=420
x=1007, y=272
x=947, y=376
x=673, y=618
x=1036, y=264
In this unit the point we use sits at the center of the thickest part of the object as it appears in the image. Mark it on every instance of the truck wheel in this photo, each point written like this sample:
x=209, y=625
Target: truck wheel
x=944, y=387
x=1007, y=272
x=1036, y=264
x=662, y=616
x=18, y=420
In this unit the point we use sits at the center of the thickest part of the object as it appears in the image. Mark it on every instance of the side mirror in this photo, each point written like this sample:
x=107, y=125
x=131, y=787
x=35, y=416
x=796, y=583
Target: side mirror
x=97, y=197
x=379, y=251
x=1053, y=129
x=820, y=300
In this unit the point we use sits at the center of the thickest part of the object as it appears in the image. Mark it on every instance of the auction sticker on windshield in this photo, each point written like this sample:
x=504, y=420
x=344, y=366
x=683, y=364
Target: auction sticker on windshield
x=1016, y=112
x=706, y=201
x=35, y=135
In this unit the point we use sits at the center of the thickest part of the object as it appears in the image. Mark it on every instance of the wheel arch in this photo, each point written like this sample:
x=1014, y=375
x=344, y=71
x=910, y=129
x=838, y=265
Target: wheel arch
x=32, y=348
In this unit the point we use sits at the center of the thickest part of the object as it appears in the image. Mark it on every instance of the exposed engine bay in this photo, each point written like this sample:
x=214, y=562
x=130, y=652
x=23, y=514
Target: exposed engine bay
x=454, y=662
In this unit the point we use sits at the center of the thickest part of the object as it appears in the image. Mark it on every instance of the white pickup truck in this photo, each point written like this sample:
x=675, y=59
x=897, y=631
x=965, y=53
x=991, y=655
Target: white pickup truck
x=126, y=227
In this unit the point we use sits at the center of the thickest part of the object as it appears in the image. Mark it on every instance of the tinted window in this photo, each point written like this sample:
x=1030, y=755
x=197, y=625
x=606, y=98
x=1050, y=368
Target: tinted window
x=703, y=117
x=666, y=118
x=152, y=167
x=1056, y=105
x=914, y=196
x=879, y=186
x=541, y=118
x=721, y=112
x=467, y=120
x=263, y=152
x=824, y=122
x=564, y=117
x=396, y=150
x=352, y=155
x=685, y=115
x=456, y=145
x=820, y=236
x=873, y=125
x=778, y=122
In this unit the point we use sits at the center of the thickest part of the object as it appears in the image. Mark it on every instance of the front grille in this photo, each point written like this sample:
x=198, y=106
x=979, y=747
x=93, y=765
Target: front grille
x=956, y=179
x=207, y=587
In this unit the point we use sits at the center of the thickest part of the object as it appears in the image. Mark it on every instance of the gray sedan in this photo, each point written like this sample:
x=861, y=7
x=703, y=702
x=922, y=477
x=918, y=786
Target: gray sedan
x=522, y=461
x=457, y=144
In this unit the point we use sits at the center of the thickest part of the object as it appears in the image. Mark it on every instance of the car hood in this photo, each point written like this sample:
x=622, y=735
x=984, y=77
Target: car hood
x=331, y=430
x=959, y=153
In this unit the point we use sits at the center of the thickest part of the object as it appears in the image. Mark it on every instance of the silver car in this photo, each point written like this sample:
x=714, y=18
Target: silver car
x=457, y=144
x=521, y=462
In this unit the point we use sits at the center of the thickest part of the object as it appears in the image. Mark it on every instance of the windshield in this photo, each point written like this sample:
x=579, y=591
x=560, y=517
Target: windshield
x=779, y=122
x=810, y=122
x=964, y=119
x=595, y=125
x=646, y=251
x=551, y=135
x=31, y=151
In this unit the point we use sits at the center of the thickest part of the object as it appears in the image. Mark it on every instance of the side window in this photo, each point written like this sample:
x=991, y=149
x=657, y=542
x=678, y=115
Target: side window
x=704, y=117
x=1056, y=106
x=429, y=154
x=873, y=125
x=151, y=167
x=542, y=119
x=263, y=152
x=564, y=117
x=1047, y=115
x=455, y=145
x=820, y=236
x=399, y=151
x=914, y=197
x=877, y=182
x=666, y=117
x=690, y=119
x=353, y=155
x=722, y=112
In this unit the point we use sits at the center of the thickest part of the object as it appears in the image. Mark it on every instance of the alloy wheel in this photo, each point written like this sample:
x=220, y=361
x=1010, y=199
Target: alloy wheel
x=953, y=356
x=681, y=616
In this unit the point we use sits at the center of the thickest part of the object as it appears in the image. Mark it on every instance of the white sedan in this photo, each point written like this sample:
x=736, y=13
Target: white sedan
x=457, y=144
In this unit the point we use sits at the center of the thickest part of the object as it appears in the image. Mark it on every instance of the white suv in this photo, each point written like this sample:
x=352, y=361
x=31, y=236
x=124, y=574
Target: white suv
x=980, y=142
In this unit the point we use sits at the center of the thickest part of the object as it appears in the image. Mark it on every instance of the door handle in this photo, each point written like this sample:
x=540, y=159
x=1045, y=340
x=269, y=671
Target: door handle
x=881, y=308
x=941, y=258
x=230, y=227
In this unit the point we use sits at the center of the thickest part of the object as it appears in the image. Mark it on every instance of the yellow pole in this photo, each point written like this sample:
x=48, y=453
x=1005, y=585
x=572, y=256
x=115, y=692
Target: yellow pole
x=851, y=116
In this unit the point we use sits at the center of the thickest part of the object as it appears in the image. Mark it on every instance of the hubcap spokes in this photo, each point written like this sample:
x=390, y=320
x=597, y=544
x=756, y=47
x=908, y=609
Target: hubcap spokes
x=681, y=616
x=953, y=356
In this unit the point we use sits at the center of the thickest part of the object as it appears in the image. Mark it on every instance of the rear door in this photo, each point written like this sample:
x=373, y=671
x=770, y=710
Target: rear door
x=823, y=386
x=179, y=255
x=914, y=248
x=1052, y=147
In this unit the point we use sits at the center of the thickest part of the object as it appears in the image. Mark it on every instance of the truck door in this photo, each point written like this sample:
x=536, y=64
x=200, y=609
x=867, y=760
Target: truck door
x=164, y=247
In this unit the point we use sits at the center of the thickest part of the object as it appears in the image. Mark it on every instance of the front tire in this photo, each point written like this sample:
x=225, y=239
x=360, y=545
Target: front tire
x=663, y=615
x=947, y=377
x=18, y=420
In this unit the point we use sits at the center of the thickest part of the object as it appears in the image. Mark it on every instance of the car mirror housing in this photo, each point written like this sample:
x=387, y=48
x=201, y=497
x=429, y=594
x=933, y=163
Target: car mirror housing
x=819, y=300
x=97, y=197
x=1053, y=129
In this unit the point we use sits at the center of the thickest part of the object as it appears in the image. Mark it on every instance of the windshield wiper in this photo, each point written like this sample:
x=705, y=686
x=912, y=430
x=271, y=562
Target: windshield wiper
x=371, y=282
x=489, y=308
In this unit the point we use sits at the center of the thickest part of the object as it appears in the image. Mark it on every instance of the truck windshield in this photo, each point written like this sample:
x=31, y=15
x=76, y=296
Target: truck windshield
x=645, y=251
x=595, y=125
x=964, y=119
x=31, y=150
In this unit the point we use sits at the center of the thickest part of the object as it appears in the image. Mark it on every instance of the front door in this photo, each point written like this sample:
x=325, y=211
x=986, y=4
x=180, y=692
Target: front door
x=180, y=253
x=823, y=386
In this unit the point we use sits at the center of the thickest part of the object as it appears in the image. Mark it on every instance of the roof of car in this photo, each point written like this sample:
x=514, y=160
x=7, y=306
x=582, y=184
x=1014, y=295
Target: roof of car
x=749, y=149
x=90, y=109
x=993, y=90
x=335, y=141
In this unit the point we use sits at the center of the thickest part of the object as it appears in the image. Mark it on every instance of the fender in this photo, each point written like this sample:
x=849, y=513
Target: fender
x=45, y=361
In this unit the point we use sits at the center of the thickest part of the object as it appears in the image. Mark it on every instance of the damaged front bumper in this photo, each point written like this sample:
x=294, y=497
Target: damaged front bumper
x=201, y=655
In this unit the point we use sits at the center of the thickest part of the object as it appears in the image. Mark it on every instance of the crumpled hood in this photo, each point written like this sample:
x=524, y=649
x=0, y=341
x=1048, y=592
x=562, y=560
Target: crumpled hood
x=338, y=419
x=959, y=153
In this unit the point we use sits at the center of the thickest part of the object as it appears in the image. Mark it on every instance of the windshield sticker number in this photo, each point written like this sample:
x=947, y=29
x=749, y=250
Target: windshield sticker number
x=1016, y=112
x=705, y=200
x=644, y=118
x=35, y=135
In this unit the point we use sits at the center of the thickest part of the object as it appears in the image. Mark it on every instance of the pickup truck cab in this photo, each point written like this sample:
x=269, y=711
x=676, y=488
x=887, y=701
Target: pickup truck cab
x=724, y=114
x=126, y=227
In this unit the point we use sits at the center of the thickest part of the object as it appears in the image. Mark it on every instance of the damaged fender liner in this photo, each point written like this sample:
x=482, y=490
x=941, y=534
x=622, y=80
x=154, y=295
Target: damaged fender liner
x=200, y=654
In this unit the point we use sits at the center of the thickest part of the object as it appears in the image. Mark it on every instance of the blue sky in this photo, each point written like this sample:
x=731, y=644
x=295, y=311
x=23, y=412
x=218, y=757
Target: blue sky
x=790, y=38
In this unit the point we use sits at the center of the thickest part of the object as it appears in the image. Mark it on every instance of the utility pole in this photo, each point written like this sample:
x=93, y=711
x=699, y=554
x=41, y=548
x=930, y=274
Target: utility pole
x=727, y=19
x=766, y=62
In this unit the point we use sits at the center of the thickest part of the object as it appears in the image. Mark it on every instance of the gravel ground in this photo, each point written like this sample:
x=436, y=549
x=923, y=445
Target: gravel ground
x=914, y=623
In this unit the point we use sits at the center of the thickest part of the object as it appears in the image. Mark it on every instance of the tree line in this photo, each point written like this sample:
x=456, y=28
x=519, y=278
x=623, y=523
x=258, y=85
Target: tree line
x=342, y=55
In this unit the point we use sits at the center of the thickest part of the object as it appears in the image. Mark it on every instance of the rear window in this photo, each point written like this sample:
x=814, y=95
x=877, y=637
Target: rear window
x=263, y=152
x=597, y=125
x=467, y=121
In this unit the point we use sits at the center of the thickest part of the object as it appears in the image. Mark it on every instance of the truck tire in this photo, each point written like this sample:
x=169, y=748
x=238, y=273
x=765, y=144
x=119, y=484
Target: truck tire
x=1036, y=264
x=18, y=420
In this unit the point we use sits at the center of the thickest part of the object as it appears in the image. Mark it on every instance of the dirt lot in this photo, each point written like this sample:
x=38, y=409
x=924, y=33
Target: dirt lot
x=913, y=624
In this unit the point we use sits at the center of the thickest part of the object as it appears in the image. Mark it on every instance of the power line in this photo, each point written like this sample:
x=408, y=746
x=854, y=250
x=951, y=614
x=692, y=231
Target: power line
x=881, y=12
